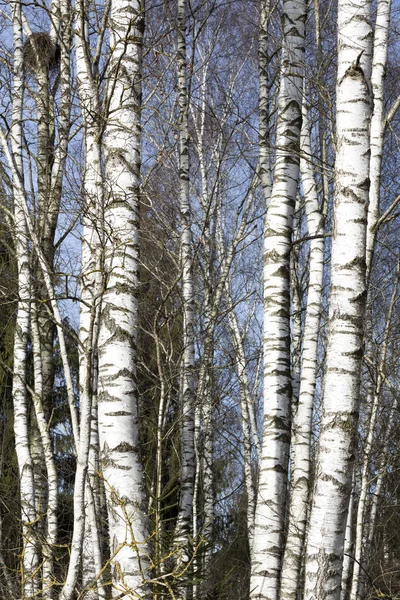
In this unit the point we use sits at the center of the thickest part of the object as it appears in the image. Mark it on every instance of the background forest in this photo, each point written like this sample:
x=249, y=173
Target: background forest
x=199, y=284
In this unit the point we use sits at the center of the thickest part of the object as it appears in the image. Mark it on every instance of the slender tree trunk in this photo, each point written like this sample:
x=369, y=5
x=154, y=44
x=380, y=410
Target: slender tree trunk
x=30, y=557
x=302, y=419
x=377, y=122
x=41, y=320
x=270, y=512
x=361, y=509
x=207, y=448
x=46, y=447
x=348, y=546
x=296, y=328
x=333, y=472
x=263, y=102
x=118, y=412
x=91, y=281
x=370, y=527
x=184, y=519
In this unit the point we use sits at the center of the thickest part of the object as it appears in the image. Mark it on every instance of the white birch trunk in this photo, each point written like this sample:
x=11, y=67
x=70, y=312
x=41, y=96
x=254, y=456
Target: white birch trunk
x=90, y=305
x=295, y=329
x=61, y=33
x=86, y=535
x=348, y=546
x=381, y=35
x=30, y=558
x=270, y=512
x=370, y=527
x=184, y=519
x=80, y=492
x=333, y=473
x=118, y=413
x=361, y=509
x=263, y=64
x=163, y=403
x=46, y=447
x=302, y=418
x=205, y=396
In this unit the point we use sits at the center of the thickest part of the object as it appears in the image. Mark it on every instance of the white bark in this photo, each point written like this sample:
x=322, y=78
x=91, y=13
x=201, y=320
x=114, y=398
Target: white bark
x=184, y=519
x=377, y=122
x=333, y=472
x=61, y=34
x=118, y=414
x=30, y=558
x=46, y=447
x=163, y=403
x=295, y=318
x=302, y=419
x=263, y=64
x=91, y=281
x=370, y=527
x=84, y=514
x=82, y=451
x=348, y=546
x=360, y=523
x=270, y=512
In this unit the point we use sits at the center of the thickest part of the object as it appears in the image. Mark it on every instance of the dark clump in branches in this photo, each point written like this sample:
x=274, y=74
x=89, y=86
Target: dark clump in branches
x=40, y=52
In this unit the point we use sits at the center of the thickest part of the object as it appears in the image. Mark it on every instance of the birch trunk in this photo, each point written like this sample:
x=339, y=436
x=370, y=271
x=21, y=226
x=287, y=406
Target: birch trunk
x=118, y=413
x=369, y=537
x=91, y=281
x=270, y=512
x=348, y=547
x=333, y=473
x=296, y=328
x=30, y=558
x=377, y=121
x=46, y=448
x=360, y=524
x=184, y=519
x=42, y=325
x=263, y=102
x=302, y=419
x=48, y=198
x=205, y=396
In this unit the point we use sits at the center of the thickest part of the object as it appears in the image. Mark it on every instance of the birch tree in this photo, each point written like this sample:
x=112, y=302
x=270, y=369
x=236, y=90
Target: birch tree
x=30, y=557
x=92, y=281
x=117, y=409
x=375, y=400
x=380, y=50
x=270, y=511
x=184, y=519
x=302, y=420
x=333, y=474
x=130, y=399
